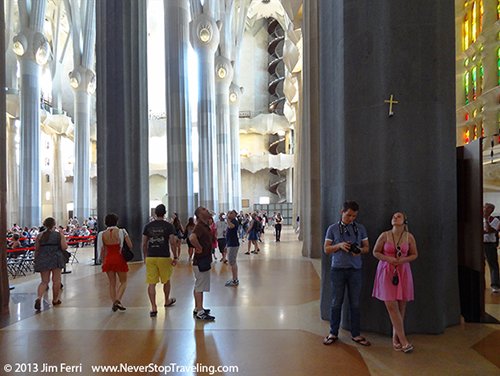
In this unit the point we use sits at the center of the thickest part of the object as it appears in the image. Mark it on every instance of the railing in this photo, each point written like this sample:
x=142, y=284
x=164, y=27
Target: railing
x=22, y=260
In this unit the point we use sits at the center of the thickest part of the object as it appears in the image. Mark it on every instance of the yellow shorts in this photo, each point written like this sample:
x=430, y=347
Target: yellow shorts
x=158, y=269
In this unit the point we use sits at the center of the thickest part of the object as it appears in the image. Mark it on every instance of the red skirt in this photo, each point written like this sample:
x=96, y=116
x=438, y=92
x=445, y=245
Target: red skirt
x=114, y=261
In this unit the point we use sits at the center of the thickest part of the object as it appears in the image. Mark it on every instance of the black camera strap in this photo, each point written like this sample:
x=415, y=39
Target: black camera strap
x=343, y=229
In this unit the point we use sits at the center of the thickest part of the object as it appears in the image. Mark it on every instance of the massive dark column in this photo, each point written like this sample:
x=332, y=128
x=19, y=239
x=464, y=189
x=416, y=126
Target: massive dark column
x=4, y=278
x=368, y=51
x=309, y=134
x=122, y=121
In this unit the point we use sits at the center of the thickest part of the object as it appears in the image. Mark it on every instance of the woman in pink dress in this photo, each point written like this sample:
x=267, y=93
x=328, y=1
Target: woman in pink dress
x=110, y=243
x=393, y=283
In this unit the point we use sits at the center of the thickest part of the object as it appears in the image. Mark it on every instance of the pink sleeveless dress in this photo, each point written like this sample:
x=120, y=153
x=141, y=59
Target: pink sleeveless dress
x=383, y=289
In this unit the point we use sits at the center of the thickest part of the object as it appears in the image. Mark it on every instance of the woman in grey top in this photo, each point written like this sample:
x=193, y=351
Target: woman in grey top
x=49, y=260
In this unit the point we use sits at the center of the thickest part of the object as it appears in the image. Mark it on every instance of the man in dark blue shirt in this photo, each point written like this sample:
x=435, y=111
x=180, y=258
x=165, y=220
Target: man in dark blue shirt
x=346, y=241
x=232, y=246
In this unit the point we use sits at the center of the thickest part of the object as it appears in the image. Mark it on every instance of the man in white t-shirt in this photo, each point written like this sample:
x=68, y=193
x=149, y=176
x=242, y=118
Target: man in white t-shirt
x=491, y=226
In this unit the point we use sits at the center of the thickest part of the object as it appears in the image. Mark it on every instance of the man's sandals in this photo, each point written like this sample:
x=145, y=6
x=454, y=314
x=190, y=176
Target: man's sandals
x=170, y=302
x=330, y=339
x=361, y=340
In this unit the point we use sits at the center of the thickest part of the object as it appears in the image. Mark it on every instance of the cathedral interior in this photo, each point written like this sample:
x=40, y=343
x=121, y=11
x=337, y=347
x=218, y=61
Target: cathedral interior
x=286, y=106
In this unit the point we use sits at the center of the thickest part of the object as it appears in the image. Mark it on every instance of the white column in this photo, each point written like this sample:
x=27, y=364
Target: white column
x=29, y=163
x=57, y=181
x=223, y=77
x=234, y=110
x=81, y=172
x=204, y=35
x=12, y=174
x=179, y=150
x=28, y=45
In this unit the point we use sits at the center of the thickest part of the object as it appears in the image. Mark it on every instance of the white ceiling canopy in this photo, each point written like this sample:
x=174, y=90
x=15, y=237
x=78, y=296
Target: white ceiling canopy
x=267, y=9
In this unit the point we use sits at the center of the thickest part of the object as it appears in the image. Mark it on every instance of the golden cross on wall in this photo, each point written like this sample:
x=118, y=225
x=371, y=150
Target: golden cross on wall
x=391, y=101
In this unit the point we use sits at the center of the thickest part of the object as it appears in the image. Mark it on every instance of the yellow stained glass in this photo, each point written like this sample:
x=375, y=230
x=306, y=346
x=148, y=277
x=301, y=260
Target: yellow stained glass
x=466, y=33
x=474, y=83
x=466, y=87
x=481, y=14
x=473, y=36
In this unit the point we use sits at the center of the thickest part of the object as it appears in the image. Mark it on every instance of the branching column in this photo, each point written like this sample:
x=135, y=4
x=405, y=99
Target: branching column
x=234, y=114
x=204, y=35
x=32, y=49
x=82, y=79
x=12, y=174
x=223, y=77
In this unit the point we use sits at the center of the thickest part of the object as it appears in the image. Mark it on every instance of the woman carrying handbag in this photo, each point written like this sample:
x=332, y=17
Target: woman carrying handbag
x=110, y=243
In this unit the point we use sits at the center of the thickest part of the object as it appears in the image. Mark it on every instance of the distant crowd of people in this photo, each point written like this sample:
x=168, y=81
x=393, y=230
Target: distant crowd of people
x=161, y=247
x=24, y=237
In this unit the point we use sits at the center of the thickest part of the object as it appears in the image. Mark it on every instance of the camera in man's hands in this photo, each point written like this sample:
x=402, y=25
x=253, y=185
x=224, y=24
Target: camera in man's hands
x=355, y=249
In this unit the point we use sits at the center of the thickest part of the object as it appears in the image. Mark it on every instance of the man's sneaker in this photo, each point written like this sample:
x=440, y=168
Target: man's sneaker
x=232, y=282
x=203, y=315
x=207, y=310
x=495, y=289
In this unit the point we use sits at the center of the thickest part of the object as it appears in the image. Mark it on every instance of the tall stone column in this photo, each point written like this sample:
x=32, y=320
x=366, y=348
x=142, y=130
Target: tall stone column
x=29, y=161
x=223, y=77
x=204, y=35
x=122, y=115
x=4, y=278
x=179, y=140
x=12, y=174
x=387, y=162
x=309, y=167
x=32, y=49
x=81, y=171
x=82, y=80
x=235, y=93
x=57, y=180
x=231, y=43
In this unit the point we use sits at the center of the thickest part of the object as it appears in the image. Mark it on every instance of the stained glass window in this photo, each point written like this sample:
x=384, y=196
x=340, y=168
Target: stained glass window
x=473, y=22
x=466, y=87
x=474, y=83
x=467, y=136
x=475, y=132
x=473, y=36
x=498, y=65
x=481, y=79
x=466, y=32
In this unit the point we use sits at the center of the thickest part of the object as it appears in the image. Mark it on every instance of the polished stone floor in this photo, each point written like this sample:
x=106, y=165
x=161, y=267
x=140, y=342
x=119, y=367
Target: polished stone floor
x=269, y=325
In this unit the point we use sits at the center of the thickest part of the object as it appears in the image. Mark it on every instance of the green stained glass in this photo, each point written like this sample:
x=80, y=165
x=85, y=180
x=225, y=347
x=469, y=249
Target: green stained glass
x=474, y=82
x=481, y=78
x=466, y=87
x=498, y=65
x=466, y=62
